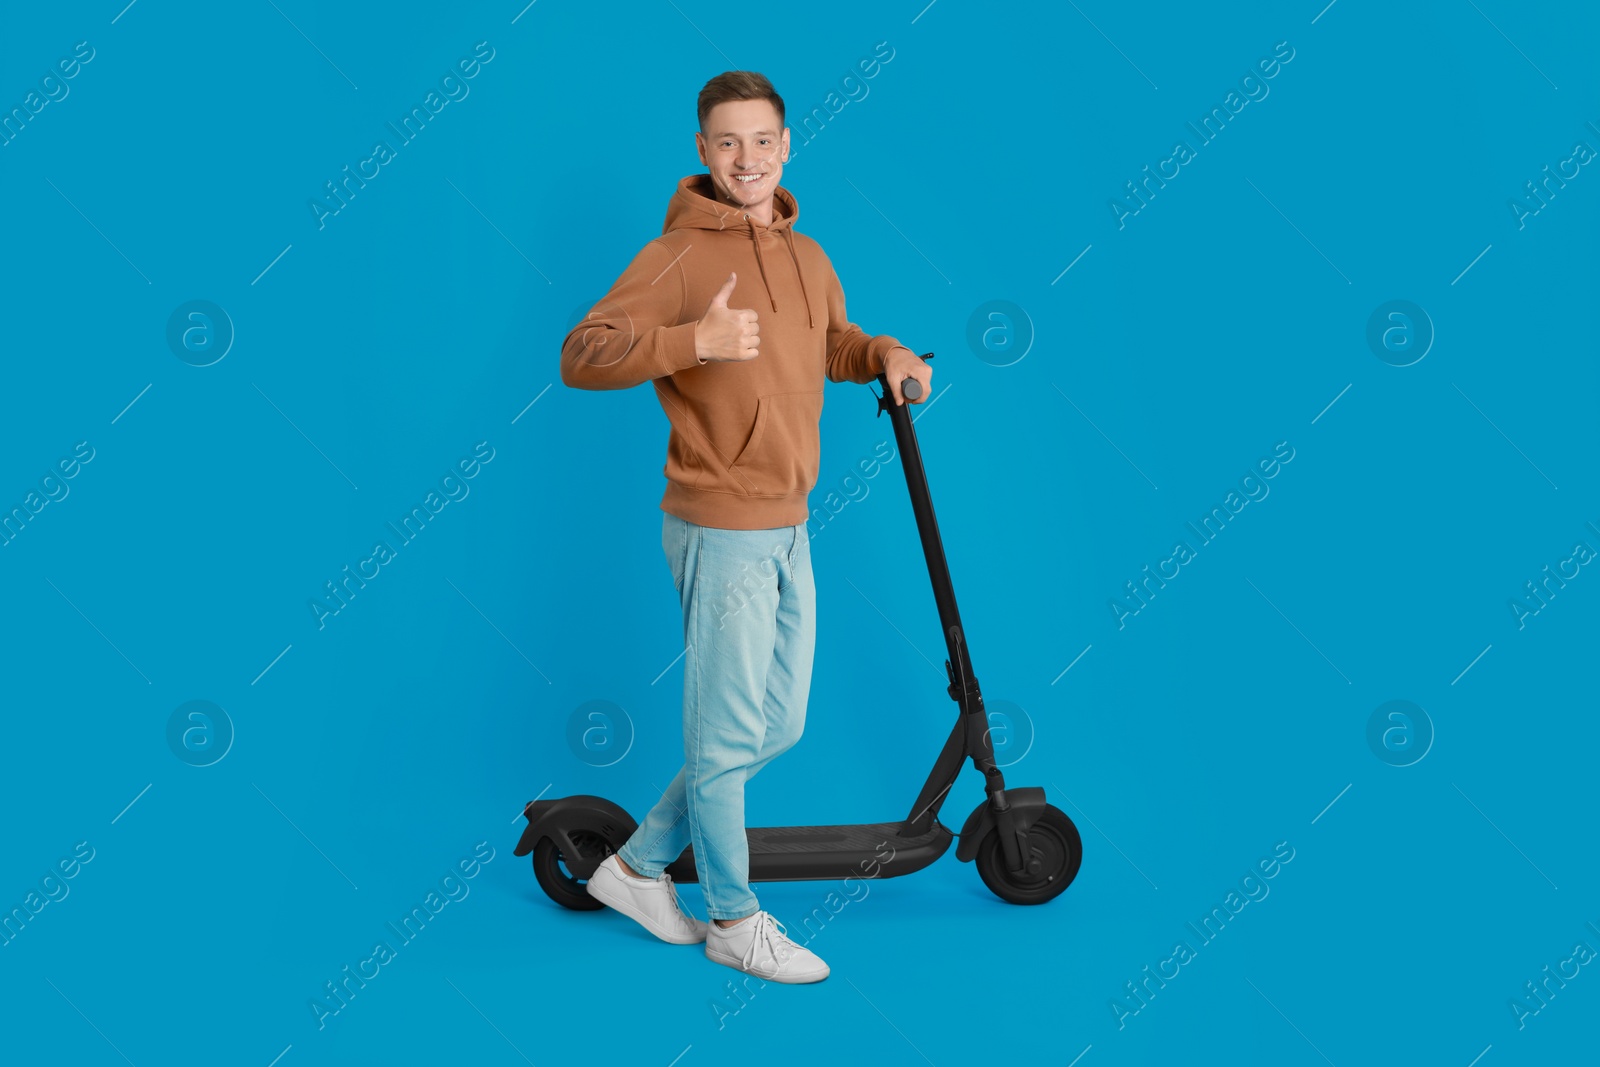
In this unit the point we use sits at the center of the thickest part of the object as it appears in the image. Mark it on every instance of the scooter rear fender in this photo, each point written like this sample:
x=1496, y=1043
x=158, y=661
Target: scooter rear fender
x=557, y=819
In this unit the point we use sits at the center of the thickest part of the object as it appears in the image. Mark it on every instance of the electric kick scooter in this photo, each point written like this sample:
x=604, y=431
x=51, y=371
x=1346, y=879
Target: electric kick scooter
x=1027, y=851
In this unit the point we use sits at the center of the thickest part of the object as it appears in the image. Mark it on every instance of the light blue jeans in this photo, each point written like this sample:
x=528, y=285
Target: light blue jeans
x=749, y=630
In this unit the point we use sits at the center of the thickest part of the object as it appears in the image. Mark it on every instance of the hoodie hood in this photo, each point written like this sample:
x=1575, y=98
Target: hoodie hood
x=694, y=207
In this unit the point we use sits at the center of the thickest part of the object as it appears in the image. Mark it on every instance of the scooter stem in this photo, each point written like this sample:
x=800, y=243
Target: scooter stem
x=963, y=688
x=927, y=525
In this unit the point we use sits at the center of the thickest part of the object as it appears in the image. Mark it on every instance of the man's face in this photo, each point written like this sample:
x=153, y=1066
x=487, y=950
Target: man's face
x=744, y=149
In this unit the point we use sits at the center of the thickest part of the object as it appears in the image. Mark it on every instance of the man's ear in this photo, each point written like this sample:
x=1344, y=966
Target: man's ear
x=700, y=146
x=786, y=144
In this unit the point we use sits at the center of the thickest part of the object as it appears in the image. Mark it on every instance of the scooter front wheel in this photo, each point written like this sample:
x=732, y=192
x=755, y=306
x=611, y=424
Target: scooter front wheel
x=1053, y=842
x=558, y=883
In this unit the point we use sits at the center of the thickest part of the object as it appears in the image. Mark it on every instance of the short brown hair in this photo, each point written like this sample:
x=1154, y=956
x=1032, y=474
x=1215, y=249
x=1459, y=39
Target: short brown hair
x=738, y=85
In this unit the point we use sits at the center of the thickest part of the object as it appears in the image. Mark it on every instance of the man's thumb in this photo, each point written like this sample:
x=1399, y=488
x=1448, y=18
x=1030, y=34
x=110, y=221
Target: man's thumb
x=721, y=299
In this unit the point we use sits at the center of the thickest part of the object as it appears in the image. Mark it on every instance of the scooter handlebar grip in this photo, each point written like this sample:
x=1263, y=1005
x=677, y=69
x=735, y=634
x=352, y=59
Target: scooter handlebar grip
x=911, y=389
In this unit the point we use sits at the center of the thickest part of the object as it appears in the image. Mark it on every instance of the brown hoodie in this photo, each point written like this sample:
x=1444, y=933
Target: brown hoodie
x=743, y=451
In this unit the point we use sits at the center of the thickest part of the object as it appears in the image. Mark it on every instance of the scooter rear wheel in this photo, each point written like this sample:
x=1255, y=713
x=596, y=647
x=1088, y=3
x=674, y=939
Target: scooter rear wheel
x=1052, y=840
x=549, y=867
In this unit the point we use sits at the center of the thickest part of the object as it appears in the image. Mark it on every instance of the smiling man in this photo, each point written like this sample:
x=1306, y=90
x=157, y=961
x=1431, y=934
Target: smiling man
x=737, y=320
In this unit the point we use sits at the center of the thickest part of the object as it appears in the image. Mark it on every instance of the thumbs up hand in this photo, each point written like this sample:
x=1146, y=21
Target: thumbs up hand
x=724, y=334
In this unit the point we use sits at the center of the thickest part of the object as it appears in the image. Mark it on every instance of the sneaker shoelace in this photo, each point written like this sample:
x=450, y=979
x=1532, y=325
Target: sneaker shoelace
x=773, y=935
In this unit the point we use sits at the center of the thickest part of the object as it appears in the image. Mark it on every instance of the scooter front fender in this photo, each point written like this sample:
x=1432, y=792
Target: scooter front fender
x=1026, y=803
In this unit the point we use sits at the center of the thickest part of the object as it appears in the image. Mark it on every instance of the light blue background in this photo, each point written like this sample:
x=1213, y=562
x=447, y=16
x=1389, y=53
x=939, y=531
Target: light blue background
x=371, y=755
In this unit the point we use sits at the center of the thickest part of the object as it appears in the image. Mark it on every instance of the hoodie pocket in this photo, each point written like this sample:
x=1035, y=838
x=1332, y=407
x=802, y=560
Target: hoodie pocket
x=782, y=454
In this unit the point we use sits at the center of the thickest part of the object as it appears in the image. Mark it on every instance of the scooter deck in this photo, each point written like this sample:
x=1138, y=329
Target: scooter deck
x=816, y=853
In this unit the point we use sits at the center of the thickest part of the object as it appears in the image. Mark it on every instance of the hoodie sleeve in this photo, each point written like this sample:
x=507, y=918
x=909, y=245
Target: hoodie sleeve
x=635, y=332
x=853, y=354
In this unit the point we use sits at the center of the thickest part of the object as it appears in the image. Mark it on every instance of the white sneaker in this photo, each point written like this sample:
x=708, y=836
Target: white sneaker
x=653, y=903
x=760, y=945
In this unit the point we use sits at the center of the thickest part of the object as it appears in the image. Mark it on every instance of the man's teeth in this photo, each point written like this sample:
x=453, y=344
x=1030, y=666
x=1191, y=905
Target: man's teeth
x=748, y=177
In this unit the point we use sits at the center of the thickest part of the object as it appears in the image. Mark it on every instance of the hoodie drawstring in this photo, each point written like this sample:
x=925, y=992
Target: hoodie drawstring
x=789, y=236
x=755, y=239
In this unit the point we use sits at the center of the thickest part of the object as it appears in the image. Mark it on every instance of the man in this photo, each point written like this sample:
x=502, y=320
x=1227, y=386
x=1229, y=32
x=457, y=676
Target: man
x=736, y=320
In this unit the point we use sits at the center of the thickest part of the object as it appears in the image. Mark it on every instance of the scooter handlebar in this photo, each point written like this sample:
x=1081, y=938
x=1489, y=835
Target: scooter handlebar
x=910, y=389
